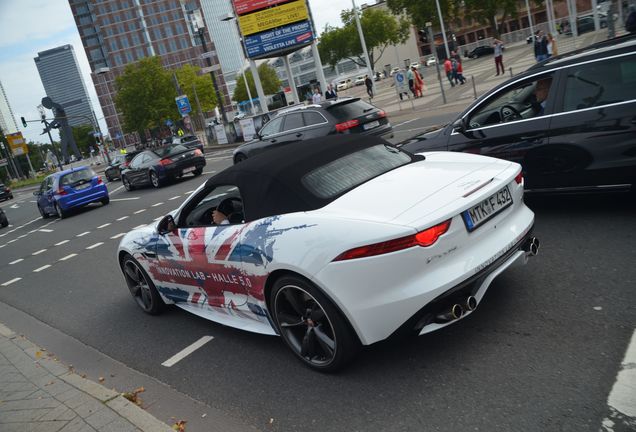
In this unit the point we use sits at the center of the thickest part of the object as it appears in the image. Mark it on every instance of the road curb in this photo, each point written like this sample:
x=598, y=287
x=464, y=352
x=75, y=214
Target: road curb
x=110, y=398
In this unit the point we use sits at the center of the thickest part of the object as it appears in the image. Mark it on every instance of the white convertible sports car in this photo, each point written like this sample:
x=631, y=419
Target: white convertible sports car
x=335, y=243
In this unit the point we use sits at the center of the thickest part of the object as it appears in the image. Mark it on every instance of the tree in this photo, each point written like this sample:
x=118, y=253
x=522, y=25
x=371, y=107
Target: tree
x=270, y=81
x=380, y=29
x=145, y=95
x=84, y=138
x=486, y=12
x=189, y=77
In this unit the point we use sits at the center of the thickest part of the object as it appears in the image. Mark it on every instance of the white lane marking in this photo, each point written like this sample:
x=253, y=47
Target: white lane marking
x=39, y=252
x=124, y=199
x=157, y=204
x=7, y=283
x=44, y=267
x=622, y=398
x=83, y=234
x=156, y=219
x=68, y=257
x=21, y=226
x=117, y=189
x=118, y=235
x=189, y=192
x=46, y=230
x=15, y=206
x=187, y=351
x=209, y=172
x=22, y=236
x=62, y=242
x=140, y=211
x=11, y=241
x=93, y=246
x=174, y=198
x=16, y=261
x=139, y=226
x=103, y=226
x=32, y=231
x=33, y=201
x=4, y=245
x=123, y=217
x=404, y=122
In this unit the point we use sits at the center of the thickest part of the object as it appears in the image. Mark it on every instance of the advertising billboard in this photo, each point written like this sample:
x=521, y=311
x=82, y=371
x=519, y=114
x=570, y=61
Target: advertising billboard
x=246, y=6
x=273, y=17
x=278, y=39
x=17, y=144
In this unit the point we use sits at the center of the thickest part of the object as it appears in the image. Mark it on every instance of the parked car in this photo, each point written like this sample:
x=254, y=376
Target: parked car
x=394, y=71
x=415, y=65
x=117, y=164
x=359, y=80
x=343, y=85
x=340, y=116
x=63, y=191
x=430, y=61
x=156, y=167
x=569, y=121
x=189, y=141
x=335, y=243
x=5, y=192
x=4, y=222
x=481, y=51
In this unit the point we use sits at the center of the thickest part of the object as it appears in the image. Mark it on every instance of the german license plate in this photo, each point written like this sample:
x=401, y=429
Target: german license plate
x=82, y=186
x=488, y=208
x=187, y=170
x=370, y=125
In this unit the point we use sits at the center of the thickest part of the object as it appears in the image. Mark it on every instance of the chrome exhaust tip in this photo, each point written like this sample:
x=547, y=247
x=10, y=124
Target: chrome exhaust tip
x=532, y=246
x=454, y=313
x=470, y=304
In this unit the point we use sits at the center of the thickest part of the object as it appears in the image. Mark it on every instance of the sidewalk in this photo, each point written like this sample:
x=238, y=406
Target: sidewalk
x=37, y=393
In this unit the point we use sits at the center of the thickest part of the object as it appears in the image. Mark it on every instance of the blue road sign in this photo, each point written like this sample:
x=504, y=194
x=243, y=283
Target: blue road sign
x=183, y=104
x=169, y=122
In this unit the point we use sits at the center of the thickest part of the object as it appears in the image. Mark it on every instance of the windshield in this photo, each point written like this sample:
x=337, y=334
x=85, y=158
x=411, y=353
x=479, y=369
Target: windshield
x=350, y=171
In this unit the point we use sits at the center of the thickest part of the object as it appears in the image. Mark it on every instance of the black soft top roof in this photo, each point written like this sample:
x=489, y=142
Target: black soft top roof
x=270, y=183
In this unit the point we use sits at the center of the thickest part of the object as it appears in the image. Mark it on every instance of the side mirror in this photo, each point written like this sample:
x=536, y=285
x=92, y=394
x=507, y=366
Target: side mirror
x=36, y=193
x=166, y=225
x=459, y=126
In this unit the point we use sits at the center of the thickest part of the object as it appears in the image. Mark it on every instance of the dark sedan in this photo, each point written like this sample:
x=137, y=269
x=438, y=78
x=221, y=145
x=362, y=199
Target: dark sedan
x=481, y=51
x=118, y=164
x=340, y=116
x=5, y=192
x=569, y=121
x=156, y=167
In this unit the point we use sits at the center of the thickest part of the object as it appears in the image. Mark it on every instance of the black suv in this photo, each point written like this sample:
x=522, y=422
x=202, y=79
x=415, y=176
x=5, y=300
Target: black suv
x=570, y=121
x=299, y=123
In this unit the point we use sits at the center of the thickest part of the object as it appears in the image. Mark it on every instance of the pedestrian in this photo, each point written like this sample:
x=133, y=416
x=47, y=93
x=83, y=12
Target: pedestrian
x=369, y=84
x=448, y=68
x=330, y=93
x=411, y=79
x=418, y=83
x=498, y=46
x=316, y=97
x=540, y=46
x=460, y=74
x=552, y=46
x=630, y=23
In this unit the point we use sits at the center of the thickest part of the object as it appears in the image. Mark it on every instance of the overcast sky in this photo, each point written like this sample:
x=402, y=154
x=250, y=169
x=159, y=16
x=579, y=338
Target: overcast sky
x=30, y=26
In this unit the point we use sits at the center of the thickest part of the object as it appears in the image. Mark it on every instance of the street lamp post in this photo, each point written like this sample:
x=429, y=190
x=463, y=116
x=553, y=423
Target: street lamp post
x=364, y=45
x=441, y=23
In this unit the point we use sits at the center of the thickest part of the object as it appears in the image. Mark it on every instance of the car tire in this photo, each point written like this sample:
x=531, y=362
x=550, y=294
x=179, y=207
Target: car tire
x=154, y=179
x=141, y=287
x=44, y=214
x=127, y=185
x=197, y=172
x=240, y=157
x=105, y=201
x=5, y=223
x=311, y=326
x=60, y=212
x=108, y=178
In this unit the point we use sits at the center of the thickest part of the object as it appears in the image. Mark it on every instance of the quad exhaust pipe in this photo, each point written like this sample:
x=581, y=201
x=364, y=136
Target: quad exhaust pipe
x=457, y=310
x=532, y=246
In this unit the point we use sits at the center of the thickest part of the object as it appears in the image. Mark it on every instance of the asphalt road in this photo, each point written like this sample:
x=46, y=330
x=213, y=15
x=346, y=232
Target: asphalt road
x=541, y=353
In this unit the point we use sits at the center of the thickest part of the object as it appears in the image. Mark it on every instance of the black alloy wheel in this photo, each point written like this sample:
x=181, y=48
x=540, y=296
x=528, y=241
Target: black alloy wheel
x=141, y=287
x=240, y=157
x=60, y=213
x=154, y=179
x=108, y=178
x=197, y=172
x=105, y=201
x=127, y=185
x=311, y=326
x=44, y=214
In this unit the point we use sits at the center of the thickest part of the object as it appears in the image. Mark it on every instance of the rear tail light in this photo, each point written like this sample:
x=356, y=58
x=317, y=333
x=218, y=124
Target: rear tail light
x=61, y=191
x=519, y=177
x=126, y=163
x=341, y=127
x=99, y=180
x=198, y=152
x=425, y=238
x=381, y=114
x=165, y=162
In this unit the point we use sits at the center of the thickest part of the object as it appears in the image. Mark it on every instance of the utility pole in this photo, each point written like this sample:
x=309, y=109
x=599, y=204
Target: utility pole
x=364, y=45
x=429, y=27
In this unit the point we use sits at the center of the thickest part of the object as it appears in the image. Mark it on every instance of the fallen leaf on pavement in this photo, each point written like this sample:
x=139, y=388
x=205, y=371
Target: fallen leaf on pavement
x=179, y=426
x=38, y=354
x=101, y=379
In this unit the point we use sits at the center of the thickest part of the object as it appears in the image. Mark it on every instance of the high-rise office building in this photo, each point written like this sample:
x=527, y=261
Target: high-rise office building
x=7, y=120
x=118, y=32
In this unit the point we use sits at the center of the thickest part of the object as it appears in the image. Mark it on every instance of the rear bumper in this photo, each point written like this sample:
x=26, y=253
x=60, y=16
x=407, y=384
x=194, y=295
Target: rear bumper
x=6, y=196
x=380, y=130
x=178, y=167
x=96, y=193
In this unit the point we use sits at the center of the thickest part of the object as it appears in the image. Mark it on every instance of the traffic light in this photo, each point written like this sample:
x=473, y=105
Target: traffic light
x=423, y=36
x=24, y=123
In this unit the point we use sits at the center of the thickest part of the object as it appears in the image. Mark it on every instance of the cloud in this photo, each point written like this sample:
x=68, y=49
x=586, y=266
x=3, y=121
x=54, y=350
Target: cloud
x=328, y=12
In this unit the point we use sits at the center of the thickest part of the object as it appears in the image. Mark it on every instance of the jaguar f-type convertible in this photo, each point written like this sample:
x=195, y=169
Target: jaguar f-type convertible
x=336, y=243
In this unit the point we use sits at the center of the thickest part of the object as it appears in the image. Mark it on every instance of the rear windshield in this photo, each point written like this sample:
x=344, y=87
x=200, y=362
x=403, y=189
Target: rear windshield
x=350, y=171
x=170, y=150
x=189, y=138
x=76, y=177
x=350, y=110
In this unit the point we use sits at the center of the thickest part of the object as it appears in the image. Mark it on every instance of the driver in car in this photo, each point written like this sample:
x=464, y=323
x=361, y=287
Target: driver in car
x=221, y=214
x=540, y=96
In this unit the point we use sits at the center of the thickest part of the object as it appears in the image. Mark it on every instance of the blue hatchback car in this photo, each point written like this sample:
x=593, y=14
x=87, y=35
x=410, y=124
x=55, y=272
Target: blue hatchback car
x=69, y=189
